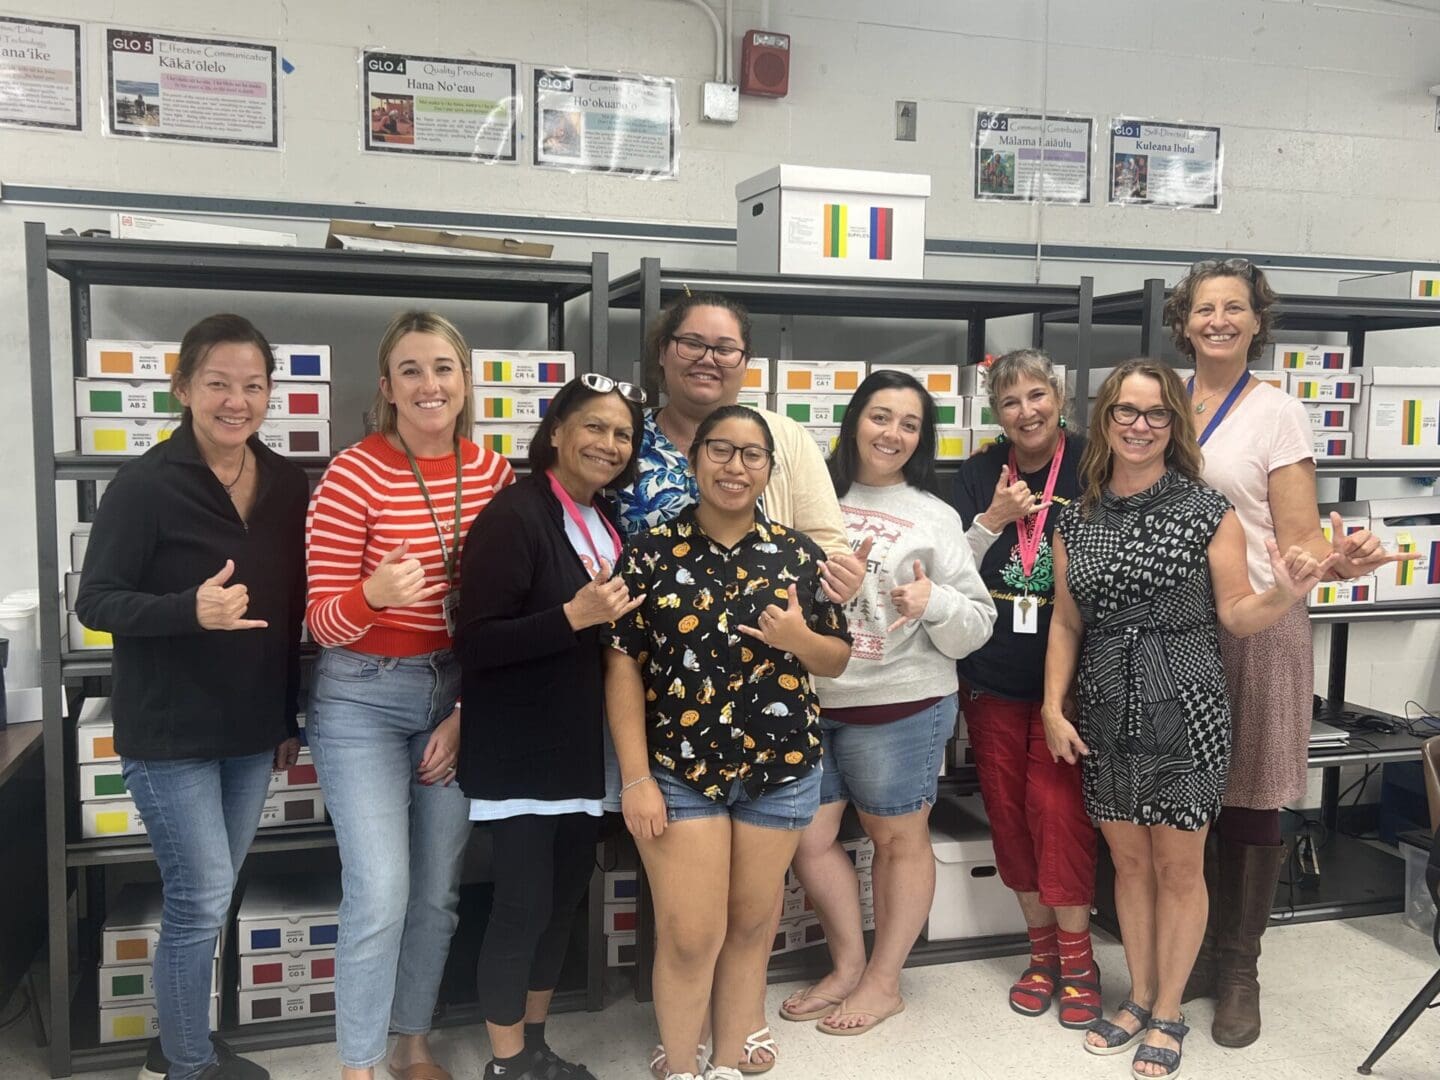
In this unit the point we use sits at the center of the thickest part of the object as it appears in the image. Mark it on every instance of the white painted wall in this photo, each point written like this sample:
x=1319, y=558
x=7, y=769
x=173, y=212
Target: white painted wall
x=1328, y=129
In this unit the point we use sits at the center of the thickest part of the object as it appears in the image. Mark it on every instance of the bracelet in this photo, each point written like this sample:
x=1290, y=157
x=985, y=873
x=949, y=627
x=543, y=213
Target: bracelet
x=638, y=780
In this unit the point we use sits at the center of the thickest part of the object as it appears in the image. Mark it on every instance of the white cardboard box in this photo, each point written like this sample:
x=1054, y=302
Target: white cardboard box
x=1401, y=414
x=297, y=777
x=102, y=780
x=269, y=1004
x=297, y=438
x=83, y=639
x=1359, y=590
x=819, y=376
x=95, y=733
x=981, y=437
x=138, y=1020
x=1402, y=285
x=621, y=886
x=941, y=380
x=1280, y=380
x=511, y=440
x=1354, y=516
x=827, y=409
x=951, y=411
x=79, y=541
x=289, y=914
x=121, y=984
x=620, y=918
x=1328, y=416
x=1333, y=445
x=287, y=969
x=978, y=412
x=132, y=926
x=620, y=950
x=114, y=436
x=72, y=589
x=293, y=806
x=1293, y=357
x=513, y=404
x=951, y=443
x=123, y=358
x=1322, y=386
x=825, y=436
x=517, y=367
x=798, y=219
x=126, y=226
x=299, y=401
x=1408, y=525
x=301, y=363
x=124, y=397
x=110, y=817
x=757, y=376
x=970, y=899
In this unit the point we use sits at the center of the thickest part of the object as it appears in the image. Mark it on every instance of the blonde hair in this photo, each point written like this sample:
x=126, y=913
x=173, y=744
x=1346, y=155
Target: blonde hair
x=1182, y=453
x=423, y=322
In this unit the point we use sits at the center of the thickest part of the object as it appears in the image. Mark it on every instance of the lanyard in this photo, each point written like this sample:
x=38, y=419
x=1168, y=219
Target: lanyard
x=574, y=512
x=1224, y=408
x=452, y=553
x=1031, y=534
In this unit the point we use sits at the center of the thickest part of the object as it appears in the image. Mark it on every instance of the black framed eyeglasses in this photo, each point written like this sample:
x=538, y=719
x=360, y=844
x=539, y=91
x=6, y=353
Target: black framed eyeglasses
x=603, y=384
x=1244, y=267
x=723, y=451
x=693, y=349
x=1157, y=418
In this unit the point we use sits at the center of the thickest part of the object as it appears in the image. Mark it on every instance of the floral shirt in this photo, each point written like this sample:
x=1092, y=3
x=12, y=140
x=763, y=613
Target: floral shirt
x=720, y=705
x=663, y=486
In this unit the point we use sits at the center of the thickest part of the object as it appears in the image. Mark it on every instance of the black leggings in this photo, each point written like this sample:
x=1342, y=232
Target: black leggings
x=542, y=866
x=1241, y=825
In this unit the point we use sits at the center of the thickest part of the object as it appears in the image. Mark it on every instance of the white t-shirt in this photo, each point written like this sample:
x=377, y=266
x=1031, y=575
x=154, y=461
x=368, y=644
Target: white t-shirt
x=1265, y=430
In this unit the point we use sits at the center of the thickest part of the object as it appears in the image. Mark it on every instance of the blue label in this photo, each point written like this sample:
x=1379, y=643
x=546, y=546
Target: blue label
x=264, y=939
x=305, y=364
x=325, y=935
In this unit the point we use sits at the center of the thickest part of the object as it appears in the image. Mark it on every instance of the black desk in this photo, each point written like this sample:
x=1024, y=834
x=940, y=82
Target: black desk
x=22, y=852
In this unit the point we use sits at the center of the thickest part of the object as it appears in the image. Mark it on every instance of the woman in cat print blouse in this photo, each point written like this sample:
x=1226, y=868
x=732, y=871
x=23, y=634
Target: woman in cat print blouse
x=716, y=729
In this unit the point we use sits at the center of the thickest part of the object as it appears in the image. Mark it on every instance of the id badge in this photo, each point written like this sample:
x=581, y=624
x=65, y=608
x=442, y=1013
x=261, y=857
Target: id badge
x=1027, y=615
x=451, y=607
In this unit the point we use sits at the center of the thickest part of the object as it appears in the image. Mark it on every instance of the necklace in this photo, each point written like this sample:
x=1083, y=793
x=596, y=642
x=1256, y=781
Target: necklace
x=230, y=487
x=1200, y=408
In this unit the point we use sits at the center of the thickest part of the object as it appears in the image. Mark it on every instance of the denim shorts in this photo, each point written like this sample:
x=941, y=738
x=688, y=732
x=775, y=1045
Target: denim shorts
x=790, y=806
x=887, y=769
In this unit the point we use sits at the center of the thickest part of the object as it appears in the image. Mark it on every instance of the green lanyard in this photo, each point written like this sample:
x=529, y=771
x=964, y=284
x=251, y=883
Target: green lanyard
x=451, y=554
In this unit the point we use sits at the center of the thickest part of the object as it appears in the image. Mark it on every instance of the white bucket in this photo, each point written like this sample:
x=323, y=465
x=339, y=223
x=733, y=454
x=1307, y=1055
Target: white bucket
x=20, y=623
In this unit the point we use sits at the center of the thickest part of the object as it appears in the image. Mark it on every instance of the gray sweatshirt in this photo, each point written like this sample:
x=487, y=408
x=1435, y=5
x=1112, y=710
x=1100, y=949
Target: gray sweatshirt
x=917, y=660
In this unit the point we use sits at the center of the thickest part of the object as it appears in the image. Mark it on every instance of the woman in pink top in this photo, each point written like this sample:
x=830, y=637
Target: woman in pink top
x=1258, y=452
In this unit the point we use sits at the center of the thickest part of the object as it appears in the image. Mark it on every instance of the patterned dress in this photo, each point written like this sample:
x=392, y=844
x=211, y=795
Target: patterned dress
x=1154, y=709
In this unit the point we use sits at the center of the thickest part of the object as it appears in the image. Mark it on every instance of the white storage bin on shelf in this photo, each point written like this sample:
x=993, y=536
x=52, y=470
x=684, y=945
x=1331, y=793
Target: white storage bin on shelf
x=970, y=899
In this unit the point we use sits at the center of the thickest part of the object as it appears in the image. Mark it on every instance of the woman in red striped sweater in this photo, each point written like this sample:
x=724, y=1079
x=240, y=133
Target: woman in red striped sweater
x=383, y=541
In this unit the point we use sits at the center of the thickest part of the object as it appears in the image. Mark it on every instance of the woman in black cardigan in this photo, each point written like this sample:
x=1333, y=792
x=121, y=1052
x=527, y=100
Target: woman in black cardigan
x=536, y=590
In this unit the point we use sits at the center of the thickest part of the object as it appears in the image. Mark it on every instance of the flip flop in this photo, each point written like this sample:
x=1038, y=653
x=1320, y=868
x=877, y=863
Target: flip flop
x=876, y=1020
x=758, y=1040
x=786, y=1013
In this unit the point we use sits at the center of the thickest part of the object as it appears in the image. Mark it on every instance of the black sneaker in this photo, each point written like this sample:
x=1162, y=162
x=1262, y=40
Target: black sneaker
x=157, y=1067
x=545, y=1064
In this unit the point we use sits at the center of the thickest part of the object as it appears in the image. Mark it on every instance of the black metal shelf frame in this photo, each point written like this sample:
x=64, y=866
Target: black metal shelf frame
x=84, y=263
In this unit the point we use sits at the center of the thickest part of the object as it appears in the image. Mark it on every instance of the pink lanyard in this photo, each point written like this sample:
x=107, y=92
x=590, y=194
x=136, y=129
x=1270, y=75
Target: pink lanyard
x=1030, y=536
x=574, y=511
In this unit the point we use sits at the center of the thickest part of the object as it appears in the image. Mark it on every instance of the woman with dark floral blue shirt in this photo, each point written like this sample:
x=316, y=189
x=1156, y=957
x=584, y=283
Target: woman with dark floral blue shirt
x=716, y=727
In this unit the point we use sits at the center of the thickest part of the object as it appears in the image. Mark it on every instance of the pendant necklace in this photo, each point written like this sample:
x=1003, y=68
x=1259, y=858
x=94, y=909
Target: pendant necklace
x=230, y=487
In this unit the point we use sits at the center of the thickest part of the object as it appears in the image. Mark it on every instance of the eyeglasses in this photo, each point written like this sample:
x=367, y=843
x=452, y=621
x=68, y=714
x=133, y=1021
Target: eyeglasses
x=723, y=451
x=1157, y=418
x=603, y=384
x=693, y=349
x=1244, y=267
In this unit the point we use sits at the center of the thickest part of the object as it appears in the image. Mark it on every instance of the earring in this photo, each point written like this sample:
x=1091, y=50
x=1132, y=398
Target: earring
x=1001, y=439
x=1063, y=423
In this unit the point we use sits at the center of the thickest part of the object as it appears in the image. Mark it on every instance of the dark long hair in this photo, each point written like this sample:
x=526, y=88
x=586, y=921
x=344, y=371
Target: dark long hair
x=919, y=471
x=570, y=398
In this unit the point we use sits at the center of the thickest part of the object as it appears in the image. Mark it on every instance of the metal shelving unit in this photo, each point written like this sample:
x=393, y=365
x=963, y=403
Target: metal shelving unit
x=1355, y=317
x=84, y=263
x=973, y=303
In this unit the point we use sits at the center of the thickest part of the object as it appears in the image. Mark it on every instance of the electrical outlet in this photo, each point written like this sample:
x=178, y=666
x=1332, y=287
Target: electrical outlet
x=721, y=102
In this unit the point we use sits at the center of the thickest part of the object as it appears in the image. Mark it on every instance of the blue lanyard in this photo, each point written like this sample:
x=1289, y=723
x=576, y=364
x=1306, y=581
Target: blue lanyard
x=1224, y=408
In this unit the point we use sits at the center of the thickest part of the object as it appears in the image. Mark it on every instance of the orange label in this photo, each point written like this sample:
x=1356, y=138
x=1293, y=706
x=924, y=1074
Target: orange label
x=846, y=380
x=938, y=383
x=752, y=378
x=105, y=747
x=132, y=949
x=797, y=380
x=171, y=360
x=117, y=363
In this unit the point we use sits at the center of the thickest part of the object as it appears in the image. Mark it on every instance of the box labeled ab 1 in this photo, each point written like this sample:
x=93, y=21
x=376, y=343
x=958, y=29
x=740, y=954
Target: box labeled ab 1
x=107, y=358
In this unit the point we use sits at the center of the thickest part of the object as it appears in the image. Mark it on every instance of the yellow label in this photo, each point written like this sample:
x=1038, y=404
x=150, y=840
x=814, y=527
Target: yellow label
x=111, y=440
x=112, y=821
x=129, y=1027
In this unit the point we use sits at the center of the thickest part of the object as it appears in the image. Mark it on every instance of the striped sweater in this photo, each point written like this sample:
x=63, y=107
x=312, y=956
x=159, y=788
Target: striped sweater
x=365, y=505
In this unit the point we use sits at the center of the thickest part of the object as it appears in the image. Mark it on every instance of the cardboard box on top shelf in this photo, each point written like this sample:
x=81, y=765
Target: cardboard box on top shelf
x=413, y=239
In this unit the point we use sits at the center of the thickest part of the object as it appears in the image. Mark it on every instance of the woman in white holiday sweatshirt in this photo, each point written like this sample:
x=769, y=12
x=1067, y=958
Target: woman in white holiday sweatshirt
x=886, y=720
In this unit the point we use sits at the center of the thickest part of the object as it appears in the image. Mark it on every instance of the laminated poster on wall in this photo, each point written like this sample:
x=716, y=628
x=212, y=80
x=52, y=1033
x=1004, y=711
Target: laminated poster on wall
x=40, y=74
x=1030, y=157
x=438, y=106
x=1159, y=164
x=593, y=121
x=192, y=89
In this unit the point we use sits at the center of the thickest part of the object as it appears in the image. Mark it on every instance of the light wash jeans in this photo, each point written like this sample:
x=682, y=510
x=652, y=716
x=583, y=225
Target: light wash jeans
x=401, y=842
x=201, y=814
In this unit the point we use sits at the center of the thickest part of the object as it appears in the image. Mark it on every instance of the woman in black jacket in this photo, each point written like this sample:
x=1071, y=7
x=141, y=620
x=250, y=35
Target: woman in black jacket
x=196, y=565
x=536, y=591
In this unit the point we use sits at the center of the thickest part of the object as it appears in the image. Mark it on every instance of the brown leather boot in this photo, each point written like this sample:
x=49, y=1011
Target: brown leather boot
x=1248, y=876
x=1201, y=982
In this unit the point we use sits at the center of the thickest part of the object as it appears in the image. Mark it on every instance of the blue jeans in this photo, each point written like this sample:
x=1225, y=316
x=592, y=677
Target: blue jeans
x=789, y=807
x=891, y=769
x=401, y=842
x=201, y=814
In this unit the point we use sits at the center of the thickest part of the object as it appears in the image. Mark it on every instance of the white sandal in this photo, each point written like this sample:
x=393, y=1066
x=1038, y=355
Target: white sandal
x=659, y=1066
x=759, y=1040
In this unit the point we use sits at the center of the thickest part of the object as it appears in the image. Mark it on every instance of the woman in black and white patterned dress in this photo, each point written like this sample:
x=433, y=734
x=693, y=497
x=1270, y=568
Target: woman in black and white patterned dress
x=1145, y=564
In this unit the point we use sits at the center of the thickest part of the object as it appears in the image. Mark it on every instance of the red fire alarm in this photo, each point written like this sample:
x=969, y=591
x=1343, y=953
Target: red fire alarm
x=765, y=64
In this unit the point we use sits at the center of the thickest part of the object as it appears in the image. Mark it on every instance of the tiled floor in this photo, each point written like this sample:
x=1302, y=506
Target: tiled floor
x=1331, y=989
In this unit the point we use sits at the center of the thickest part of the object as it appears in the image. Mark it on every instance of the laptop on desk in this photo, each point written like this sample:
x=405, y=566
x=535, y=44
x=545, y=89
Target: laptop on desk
x=1323, y=735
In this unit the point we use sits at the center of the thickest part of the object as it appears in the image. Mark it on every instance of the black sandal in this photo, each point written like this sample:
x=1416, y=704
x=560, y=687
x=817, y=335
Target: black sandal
x=1117, y=1039
x=1167, y=1059
x=1036, y=981
x=1082, y=993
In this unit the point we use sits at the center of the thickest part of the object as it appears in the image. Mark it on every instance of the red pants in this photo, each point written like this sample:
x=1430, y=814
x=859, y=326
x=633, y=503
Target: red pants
x=1044, y=841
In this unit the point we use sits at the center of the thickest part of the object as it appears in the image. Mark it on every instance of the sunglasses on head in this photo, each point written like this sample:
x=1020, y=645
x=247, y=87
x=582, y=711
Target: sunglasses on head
x=1244, y=267
x=603, y=384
